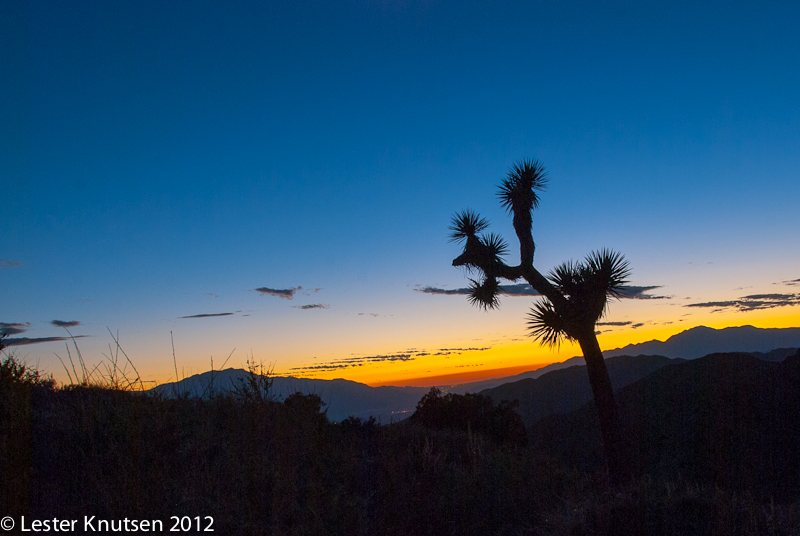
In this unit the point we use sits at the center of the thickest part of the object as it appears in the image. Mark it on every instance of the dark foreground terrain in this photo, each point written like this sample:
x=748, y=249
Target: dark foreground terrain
x=714, y=443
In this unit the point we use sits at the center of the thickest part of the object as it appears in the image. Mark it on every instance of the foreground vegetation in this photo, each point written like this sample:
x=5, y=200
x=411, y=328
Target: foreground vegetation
x=262, y=466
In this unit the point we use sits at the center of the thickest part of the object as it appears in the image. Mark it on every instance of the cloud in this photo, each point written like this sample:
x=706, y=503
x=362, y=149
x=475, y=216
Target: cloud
x=287, y=293
x=25, y=340
x=13, y=328
x=791, y=282
x=8, y=264
x=524, y=289
x=752, y=302
x=517, y=289
x=434, y=290
x=629, y=324
x=638, y=293
x=65, y=323
x=448, y=351
x=355, y=362
x=401, y=357
x=206, y=315
x=313, y=306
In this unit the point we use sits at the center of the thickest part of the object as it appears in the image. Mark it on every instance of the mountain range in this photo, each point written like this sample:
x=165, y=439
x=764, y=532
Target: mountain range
x=559, y=393
x=701, y=341
x=343, y=398
x=690, y=344
x=566, y=390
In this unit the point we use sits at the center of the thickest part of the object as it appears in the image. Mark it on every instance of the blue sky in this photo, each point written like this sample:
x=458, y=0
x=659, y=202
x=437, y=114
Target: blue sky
x=162, y=160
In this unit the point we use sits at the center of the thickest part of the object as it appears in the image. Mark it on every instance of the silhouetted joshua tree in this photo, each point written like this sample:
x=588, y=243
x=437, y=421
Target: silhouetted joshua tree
x=576, y=294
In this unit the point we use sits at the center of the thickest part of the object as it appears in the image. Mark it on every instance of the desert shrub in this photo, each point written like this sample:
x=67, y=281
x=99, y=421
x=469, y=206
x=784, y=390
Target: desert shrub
x=256, y=386
x=477, y=413
x=14, y=370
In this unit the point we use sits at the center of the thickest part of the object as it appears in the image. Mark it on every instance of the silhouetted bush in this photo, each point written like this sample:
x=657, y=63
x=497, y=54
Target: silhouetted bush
x=476, y=413
x=15, y=371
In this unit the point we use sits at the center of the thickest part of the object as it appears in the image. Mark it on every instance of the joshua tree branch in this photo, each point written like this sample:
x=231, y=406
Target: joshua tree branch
x=475, y=256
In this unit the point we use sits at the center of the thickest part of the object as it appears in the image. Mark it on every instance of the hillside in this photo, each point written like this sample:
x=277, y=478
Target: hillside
x=727, y=418
x=565, y=390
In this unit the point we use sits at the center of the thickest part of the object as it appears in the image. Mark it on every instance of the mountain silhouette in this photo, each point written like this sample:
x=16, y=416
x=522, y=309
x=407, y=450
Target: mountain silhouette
x=690, y=344
x=701, y=341
x=566, y=390
x=343, y=398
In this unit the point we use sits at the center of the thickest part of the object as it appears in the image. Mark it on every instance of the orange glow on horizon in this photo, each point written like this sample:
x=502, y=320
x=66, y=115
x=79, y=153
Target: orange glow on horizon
x=515, y=358
x=460, y=367
x=522, y=355
x=461, y=377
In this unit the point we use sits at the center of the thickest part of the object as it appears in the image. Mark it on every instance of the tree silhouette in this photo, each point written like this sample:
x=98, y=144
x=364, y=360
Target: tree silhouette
x=576, y=294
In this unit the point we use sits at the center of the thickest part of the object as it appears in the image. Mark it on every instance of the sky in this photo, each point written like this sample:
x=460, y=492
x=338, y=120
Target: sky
x=210, y=182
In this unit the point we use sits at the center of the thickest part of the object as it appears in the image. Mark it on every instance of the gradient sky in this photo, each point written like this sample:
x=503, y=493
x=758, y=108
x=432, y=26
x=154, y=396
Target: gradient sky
x=275, y=179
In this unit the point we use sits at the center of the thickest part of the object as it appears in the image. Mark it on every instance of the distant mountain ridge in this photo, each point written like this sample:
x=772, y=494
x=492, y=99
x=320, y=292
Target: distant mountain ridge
x=701, y=341
x=690, y=344
x=345, y=398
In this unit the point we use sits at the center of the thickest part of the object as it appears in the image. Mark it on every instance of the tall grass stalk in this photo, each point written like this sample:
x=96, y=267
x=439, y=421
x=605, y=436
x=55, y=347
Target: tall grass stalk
x=111, y=374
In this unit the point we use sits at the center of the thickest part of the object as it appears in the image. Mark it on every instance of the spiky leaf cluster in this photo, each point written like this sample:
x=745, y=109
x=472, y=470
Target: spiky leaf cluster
x=495, y=246
x=609, y=270
x=483, y=253
x=466, y=224
x=485, y=294
x=587, y=287
x=546, y=325
x=518, y=191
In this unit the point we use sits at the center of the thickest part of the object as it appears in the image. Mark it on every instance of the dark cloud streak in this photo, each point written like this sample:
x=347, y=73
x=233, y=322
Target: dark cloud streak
x=523, y=289
x=206, y=315
x=286, y=293
x=65, y=323
x=517, y=289
x=434, y=290
x=25, y=340
x=753, y=302
x=634, y=292
x=409, y=355
x=13, y=328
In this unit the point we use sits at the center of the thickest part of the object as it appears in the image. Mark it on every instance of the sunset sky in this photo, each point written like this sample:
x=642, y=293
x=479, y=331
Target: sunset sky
x=275, y=179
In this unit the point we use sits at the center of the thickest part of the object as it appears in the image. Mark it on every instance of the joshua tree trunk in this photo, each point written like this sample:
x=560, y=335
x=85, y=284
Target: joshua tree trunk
x=615, y=453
